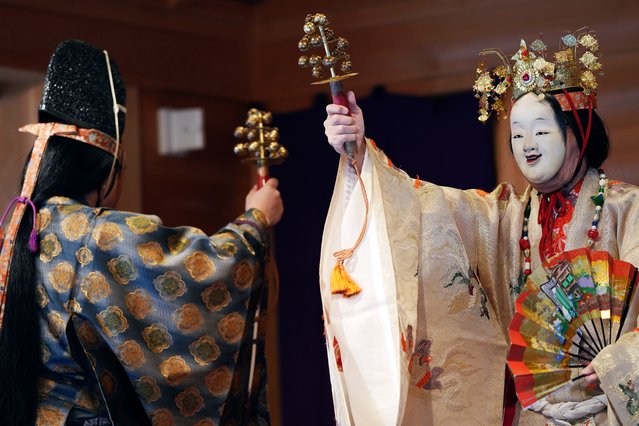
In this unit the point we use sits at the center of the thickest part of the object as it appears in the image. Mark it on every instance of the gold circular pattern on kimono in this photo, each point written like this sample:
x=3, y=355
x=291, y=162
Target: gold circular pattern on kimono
x=162, y=417
x=49, y=247
x=112, y=321
x=205, y=422
x=131, y=354
x=107, y=235
x=139, y=303
x=224, y=250
x=87, y=400
x=56, y=324
x=216, y=297
x=151, y=253
x=218, y=381
x=41, y=296
x=43, y=219
x=45, y=385
x=231, y=327
x=95, y=287
x=204, y=350
x=75, y=226
x=147, y=388
x=157, y=337
x=107, y=382
x=140, y=224
x=48, y=415
x=175, y=370
x=244, y=274
x=72, y=307
x=122, y=269
x=62, y=276
x=70, y=208
x=178, y=243
x=45, y=353
x=189, y=401
x=87, y=334
x=188, y=318
x=84, y=256
x=170, y=285
x=199, y=266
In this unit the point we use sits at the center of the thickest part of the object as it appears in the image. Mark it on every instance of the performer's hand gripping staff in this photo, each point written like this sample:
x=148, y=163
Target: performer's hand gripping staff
x=262, y=148
x=318, y=34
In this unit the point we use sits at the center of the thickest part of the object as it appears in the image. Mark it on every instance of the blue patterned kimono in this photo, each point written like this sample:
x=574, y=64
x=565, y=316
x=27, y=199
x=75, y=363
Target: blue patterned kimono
x=144, y=324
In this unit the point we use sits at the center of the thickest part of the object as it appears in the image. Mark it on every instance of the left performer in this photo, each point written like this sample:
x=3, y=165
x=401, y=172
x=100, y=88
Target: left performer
x=109, y=317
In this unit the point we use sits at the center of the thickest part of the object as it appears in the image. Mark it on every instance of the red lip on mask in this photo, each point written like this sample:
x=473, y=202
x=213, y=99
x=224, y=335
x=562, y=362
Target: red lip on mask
x=532, y=158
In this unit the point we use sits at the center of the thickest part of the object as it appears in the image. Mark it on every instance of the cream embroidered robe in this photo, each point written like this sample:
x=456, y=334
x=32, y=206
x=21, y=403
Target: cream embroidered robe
x=446, y=264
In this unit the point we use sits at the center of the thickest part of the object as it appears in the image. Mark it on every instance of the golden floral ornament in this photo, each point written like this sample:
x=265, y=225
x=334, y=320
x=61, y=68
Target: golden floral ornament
x=216, y=297
x=84, y=255
x=589, y=80
x=43, y=219
x=175, y=370
x=162, y=417
x=88, y=334
x=590, y=61
x=189, y=401
x=177, y=243
x=199, y=265
x=72, y=307
x=131, y=354
x=122, y=269
x=231, y=327
x=147, y=388
x=95, y=287
x=139, y=303
x=49, y=415
x=141, y=224
x=244, y=273
x=170, y=285
x=484, y=83
x=589, y=42
x=204, y=350
x=157, y=338
x=45, y=353
x=188, y=318
x=42, y=298
x=56, y=324
x=151, y=253
x=112, y=321
x=69, y=208
x=107, y=235
x=75, y=226
x=107, y=383
x=218, y=381
x=62, y=277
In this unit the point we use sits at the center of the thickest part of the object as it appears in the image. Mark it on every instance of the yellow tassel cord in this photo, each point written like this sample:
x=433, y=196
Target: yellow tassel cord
x=341, y=281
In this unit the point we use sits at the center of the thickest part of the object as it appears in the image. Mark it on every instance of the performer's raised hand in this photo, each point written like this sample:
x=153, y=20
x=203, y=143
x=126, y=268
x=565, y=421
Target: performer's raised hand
x=268, y=200
x=341, y=127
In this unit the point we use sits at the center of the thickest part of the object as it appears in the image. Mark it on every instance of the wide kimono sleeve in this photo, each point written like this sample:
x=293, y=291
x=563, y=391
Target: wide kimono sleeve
x=617, y=365
x=162, y=313
x=443, y=263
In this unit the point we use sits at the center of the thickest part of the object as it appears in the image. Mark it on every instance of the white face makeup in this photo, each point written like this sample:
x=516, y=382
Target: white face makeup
x=537, y=142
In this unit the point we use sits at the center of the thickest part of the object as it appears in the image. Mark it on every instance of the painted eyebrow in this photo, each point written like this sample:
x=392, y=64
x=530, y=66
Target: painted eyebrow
x=536, y=119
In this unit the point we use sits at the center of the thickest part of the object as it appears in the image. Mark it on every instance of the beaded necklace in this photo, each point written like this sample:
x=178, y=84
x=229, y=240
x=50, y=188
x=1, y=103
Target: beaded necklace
x=593, y=234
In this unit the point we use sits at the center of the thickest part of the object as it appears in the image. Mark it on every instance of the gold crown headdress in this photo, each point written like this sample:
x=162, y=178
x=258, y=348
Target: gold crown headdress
x=572, y=81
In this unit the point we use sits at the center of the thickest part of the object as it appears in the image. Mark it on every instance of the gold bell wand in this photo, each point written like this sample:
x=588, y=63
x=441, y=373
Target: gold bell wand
x=262, y=148
x=318, y=34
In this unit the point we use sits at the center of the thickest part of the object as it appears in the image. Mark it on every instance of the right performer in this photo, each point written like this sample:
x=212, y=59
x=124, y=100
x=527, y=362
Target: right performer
x=426, y=340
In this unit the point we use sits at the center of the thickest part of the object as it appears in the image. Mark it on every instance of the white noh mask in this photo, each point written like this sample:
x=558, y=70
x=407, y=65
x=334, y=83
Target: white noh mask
x=537, y=141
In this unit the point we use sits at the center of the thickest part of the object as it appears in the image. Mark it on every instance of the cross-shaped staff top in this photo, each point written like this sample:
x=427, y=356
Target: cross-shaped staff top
x=261, y=144
x=316, y=34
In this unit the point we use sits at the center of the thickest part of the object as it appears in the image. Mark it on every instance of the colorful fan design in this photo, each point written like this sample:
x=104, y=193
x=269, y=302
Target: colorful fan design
x=570, y=309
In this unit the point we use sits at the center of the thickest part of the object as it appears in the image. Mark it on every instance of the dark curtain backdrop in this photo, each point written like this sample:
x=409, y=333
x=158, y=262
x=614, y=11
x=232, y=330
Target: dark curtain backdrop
x=437, y=138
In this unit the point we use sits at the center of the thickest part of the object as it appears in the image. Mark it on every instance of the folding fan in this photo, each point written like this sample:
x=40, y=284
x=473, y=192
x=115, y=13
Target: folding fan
x=571, y=308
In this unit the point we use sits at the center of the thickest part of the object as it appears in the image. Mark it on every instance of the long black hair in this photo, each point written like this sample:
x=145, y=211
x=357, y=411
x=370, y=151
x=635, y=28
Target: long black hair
x=72, y=169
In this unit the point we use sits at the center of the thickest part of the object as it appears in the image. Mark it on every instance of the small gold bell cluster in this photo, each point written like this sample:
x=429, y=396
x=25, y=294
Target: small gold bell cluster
x=261, y=140
x=316, y=34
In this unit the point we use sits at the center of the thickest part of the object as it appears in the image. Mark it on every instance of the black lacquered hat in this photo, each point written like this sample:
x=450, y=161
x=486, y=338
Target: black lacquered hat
x=78, y=90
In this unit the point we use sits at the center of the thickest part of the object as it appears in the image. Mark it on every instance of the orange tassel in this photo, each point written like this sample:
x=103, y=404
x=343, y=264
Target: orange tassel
x=341, y=281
